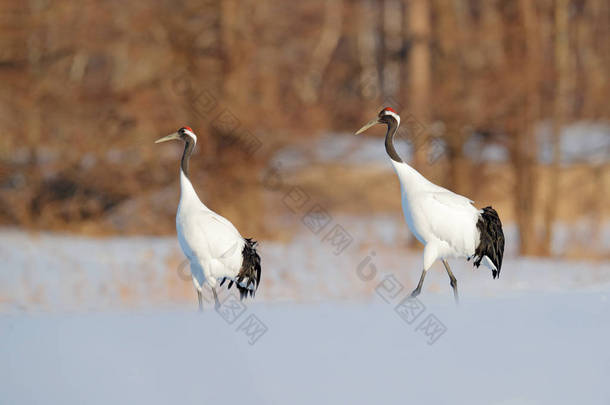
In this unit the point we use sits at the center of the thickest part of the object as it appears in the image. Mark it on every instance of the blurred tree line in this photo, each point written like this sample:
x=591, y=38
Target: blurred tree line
x=87, y=86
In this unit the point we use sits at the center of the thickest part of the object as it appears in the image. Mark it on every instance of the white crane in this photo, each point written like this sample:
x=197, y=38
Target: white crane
x=447, y=224
x=213, y=246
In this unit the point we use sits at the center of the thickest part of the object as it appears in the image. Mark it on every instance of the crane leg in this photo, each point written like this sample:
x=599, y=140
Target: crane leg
x=200, y=299
x=216, y=302
x=452, y=281
x=417, y=290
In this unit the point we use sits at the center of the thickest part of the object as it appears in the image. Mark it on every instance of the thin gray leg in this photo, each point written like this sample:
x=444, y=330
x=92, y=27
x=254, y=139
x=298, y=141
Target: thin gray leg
x=452, y=281
x=417, y=290
x=216, y=302
x=200, y=298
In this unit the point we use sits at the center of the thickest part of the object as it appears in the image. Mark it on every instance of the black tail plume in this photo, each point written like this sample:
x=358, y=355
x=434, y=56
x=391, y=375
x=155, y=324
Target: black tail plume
x=491, y=243
x=249, y=276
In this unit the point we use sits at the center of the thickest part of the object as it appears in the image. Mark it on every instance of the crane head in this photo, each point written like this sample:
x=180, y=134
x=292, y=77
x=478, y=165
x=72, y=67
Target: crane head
x=185, y=133
x=385, y=116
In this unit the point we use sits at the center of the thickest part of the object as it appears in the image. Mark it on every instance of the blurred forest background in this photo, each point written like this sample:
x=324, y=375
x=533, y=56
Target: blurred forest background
x=86, y=87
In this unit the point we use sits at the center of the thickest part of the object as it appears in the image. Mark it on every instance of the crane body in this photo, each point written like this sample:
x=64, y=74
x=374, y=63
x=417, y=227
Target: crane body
x=214, y=247
x=446, y=223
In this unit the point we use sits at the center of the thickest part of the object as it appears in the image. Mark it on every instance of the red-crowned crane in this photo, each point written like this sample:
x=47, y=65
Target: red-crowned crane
x=447, y=224
x=213, y=246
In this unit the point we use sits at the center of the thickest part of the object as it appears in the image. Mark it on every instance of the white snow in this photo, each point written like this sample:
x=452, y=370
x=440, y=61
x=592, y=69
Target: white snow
x=99, y=321
x=523, y=349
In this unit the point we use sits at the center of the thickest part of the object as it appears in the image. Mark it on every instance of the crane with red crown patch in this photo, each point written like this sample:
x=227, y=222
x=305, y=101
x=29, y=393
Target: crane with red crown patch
x=446, y=223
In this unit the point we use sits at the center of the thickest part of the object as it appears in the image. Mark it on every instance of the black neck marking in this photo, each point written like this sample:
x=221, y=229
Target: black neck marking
x=389, y=138
x=189, y=144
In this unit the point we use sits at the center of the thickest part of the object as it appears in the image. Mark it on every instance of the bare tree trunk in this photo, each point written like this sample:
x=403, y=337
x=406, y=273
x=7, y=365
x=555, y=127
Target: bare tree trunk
x=492, y=30
x=308, y=87
x=404, y=65
x=526, y=149
x=589, y=34
x=452, y=29
x=268, y=85
x=562, y=50
x=369, y=85
x=419, y=68
x=458, y=163
x=597, y=60
x=599, y=203
x=229, y=10
x=381, y=50
x=393, y=44
x=234, y=51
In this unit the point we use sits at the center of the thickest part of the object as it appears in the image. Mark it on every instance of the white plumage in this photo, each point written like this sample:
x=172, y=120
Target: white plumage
x=443, y=221
x=214, y=247
x=446, y=223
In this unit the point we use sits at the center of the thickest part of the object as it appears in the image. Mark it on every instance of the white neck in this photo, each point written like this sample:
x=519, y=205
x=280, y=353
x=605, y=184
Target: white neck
x=411, y=181
x=188, y=195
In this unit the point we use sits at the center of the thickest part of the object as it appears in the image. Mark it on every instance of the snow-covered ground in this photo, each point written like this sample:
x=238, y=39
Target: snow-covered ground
x=543, y=348
x=53, y=272
x=86, y=320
